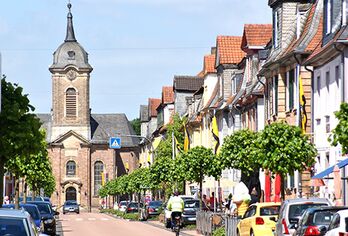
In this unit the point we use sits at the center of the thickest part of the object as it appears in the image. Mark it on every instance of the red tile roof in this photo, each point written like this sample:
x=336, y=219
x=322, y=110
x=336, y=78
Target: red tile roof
x=256, y=35
x=167, y=94
x=153, y=104
x=229, y=49
x=209, y=64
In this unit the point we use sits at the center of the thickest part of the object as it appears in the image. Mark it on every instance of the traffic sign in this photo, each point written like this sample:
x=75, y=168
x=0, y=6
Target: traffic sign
x=115, y=142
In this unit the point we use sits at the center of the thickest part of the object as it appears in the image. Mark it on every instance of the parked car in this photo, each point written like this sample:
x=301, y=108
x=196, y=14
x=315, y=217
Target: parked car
x=17, y=222
x=48, y=216
x=153, y=208
x=259, y=219
x=291, y=211
x=190, y=210
x=122, y=206
x=30, y=199
x=47, y=199
x=339, y=224
x=316, y=220
x=132, y=207
x=33, y=212
x=71, y=206
x=168, y=213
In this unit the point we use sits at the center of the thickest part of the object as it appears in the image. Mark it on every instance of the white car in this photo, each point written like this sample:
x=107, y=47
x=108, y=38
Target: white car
x=122, y=206
x=168, y=213
x=339, y=224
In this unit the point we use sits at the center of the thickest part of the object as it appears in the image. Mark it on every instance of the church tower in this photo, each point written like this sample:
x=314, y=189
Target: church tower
x=70, y=86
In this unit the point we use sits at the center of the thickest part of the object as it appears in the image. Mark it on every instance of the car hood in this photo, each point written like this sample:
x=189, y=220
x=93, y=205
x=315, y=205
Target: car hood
x=47, y=216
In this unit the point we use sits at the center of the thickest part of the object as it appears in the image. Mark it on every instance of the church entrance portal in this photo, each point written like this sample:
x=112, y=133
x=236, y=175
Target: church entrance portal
x=70, y=194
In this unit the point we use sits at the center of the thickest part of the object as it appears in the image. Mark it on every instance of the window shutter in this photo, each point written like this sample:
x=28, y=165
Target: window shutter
x=71, y=98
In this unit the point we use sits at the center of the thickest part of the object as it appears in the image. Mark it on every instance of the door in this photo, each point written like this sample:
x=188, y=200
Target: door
x=70, y=194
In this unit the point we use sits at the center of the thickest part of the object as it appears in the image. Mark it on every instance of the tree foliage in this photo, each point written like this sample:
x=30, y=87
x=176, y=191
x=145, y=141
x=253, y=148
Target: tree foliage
x=21, y=139
x=340, y=133
x=136, y=126
x=284, y=149
x=239, y=151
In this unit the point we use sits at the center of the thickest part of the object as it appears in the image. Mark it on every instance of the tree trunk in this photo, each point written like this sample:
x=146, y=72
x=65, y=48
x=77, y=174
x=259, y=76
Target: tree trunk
x=33, y=195
x=25, y=192
x=2, y=173
x=16, y=192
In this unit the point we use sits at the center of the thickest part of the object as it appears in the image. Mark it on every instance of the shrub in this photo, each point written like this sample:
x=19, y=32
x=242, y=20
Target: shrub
x=219, y=232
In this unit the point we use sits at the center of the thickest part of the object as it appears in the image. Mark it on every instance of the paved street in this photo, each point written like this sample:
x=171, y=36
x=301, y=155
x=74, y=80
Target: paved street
x=100, y=224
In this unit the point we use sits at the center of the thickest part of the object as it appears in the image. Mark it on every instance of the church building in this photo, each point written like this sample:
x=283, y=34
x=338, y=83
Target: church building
x=78, y=141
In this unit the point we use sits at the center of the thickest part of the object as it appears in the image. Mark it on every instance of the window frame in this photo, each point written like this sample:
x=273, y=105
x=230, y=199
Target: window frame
x=70, y=166
x=71, y=103
x=97, y=176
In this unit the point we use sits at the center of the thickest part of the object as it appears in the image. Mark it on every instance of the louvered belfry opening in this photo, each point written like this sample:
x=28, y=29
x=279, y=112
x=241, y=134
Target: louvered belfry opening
x=71, y=106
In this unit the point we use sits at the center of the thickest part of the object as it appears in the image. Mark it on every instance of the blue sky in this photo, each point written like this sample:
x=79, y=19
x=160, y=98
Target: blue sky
x=134, y=46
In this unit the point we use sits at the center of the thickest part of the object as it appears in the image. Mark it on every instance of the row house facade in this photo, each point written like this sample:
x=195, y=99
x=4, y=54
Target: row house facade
x=252, y=80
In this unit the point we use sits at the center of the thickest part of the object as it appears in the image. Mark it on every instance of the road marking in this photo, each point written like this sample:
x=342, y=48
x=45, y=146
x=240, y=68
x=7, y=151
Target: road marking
x=79, y=219
x=105, y=219
x=91, y=219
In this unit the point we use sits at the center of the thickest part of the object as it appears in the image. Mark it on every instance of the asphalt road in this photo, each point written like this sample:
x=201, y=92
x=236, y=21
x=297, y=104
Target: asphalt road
x=96, y=224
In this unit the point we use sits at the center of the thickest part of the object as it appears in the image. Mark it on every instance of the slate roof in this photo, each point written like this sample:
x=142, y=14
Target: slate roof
x=144, y=113
x=209, y=64
x=153, y=104
x=229, y=50
x=167, y=94
x=256, y=35
x=103, y=126
x=187, y=83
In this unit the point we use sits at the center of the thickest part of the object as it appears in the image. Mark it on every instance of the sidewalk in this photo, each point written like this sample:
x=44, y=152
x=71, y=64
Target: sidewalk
x=183, y=232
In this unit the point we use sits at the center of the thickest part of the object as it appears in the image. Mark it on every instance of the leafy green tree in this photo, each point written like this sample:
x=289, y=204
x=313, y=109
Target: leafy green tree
x=284, y=149
x=340, y=133
x=18, y=127
x=136, y=126
x=198, y=162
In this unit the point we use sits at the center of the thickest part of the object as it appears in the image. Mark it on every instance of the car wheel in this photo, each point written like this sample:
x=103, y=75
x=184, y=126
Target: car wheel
x=78, y=212
x=251, y=232
x=64, y=212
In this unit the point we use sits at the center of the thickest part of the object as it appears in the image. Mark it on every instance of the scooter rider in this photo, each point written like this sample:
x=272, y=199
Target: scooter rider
x=176, y=206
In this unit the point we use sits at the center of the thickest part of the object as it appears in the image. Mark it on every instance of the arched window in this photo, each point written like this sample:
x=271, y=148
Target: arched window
x=71, y=105
x=98, y=171
x=70, y=169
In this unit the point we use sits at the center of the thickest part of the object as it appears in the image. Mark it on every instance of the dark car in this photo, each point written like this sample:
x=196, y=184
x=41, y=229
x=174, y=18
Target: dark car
x=30, y=199
x=132, y=207
x=32, y=210
x=190, y=210
x=153, y=208
x=71, y=206
x=48, y=216
x=316, y=220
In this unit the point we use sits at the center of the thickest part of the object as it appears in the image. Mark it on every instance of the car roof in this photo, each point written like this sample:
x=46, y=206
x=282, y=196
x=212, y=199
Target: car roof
x=343, y=212
x=264, y=204
x=305, y=200
x=323, y=208
x=39, y=202
x=13, y=213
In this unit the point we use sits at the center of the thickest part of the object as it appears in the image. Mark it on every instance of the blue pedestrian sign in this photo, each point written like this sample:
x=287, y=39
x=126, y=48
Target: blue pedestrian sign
x=115, y=143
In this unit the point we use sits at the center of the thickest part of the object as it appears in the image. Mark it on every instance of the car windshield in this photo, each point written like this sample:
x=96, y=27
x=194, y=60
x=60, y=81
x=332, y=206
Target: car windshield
x=123, y=203
x=134, y=204
x=33, y=211
x=12, y=226
x=269, y=210
x=296, y=210
x=322, y=217
x=155, y=203
x=70, y=203
x=191, y=204
x=44, y=208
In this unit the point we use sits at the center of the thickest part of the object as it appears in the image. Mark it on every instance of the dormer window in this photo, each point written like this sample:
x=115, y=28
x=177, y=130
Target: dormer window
x=328, y=16
x=71, y=105
x=275, y=28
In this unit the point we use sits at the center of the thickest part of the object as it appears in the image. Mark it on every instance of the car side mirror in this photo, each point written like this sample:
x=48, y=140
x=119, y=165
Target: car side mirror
x=273, y=219
x=322, y=229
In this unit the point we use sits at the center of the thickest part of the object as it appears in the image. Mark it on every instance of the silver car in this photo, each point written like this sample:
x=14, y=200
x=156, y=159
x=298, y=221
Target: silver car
x=17, y=222
x=291, y=211
x=71, y=206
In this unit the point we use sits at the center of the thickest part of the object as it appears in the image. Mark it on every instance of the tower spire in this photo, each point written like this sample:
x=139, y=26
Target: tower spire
x=70, y=35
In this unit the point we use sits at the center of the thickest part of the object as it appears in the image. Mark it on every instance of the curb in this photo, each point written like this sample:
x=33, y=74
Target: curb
x=161, y=227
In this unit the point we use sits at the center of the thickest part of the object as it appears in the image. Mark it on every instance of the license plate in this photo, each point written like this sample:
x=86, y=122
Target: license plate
x=71, y=209
x=192, y=219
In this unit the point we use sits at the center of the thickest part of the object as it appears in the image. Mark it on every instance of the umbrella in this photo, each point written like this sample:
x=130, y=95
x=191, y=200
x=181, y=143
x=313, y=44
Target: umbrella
x=338, y=185
x=317, y=182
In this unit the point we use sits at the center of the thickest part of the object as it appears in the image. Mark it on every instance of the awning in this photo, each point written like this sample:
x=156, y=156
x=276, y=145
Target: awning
x=329, y=170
